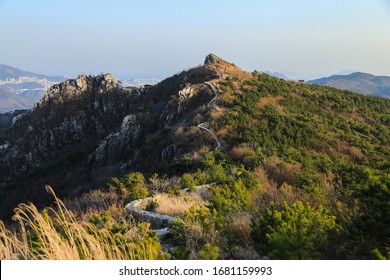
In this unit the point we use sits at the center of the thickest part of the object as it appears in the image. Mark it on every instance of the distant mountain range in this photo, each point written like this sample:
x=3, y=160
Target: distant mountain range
x=10, y=101
x=9, y=72
x=277, y=75
x=22, y=89
x=358, y=82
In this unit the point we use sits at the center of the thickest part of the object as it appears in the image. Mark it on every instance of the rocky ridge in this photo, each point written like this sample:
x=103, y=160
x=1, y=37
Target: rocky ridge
x=69, y=113
x=87, y=129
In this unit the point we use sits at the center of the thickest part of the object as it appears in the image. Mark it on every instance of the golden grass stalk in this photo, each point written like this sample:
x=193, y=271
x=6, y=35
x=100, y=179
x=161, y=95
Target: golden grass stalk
x=56, y=235
x=11, y=247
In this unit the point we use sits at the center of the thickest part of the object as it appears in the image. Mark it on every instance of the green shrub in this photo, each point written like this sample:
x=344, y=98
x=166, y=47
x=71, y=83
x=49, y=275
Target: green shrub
x=296, y=231
x=187, y=181
x=209, y=252
x=151, y=206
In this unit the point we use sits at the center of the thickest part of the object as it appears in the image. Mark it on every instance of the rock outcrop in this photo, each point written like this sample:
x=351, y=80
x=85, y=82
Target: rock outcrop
x=72, y=113
x=225, y=68
x=116, y=142
x=87, y=129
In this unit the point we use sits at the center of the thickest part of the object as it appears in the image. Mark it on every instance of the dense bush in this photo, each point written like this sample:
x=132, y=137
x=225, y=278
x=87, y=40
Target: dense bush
x=296, y=231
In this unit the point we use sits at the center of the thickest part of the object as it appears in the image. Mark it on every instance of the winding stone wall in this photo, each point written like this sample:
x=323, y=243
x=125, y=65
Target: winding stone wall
x=157, y=221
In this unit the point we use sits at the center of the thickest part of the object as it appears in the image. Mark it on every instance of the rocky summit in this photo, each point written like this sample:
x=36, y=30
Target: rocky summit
x=87, y=129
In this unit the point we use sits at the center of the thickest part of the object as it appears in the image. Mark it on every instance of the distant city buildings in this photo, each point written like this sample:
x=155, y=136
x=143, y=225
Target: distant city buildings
x=45, y=84
x=139, y=82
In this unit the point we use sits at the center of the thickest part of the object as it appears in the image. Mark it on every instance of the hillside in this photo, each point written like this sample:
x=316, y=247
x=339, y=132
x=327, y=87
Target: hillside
x=358, y=82
x=293, y=171
x=10, y=101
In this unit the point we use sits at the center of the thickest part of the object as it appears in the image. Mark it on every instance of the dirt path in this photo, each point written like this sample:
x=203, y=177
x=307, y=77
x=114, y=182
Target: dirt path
x=215, y=91
x=210, y=104
x=201, y=125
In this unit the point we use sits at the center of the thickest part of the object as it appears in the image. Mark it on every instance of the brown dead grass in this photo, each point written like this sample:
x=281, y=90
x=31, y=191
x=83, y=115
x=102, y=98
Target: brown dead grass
x=59, y=236
x=229, y=69
x=354, y=116
x=223, y=131
x=281, y=172
x=352, y=152
x=268, y=100
x=177, y=205
x=217, y=114
x=95, y=201
x=227, y=95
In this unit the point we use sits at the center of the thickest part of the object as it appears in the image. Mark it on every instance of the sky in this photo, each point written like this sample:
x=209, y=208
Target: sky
x=155, y=39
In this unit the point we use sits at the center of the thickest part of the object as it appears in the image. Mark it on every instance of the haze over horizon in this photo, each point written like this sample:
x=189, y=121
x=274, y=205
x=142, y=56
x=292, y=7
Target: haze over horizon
x=159, y=38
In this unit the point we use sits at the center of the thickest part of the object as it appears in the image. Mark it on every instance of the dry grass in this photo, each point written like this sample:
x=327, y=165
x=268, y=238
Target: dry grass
x=215, y=115
x=223, y=131
x=199, y=154
x=351, y=151
x=57, y=235
x=240, y=229
x=10, y=245
x=227, y=95
x=281, y=172
x=177, y=205
x=94, y=201
x=229, y=69
x=265, y=101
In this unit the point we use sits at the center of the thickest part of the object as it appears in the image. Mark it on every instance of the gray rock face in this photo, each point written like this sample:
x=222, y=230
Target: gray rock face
x=15, y=119
x=117, y=142
x=168, y=153
x=212, y=59
x=183, y=103
x=70, y=89
x=71, y=113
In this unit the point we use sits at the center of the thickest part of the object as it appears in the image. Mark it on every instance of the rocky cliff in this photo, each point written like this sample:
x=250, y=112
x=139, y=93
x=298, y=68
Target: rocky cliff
x=87, y=129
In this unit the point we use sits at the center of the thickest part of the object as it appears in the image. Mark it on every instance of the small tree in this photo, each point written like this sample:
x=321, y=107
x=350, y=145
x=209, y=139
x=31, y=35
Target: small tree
x=187, y=182
x=135, y=183
x=209, y=252
x=295, y=231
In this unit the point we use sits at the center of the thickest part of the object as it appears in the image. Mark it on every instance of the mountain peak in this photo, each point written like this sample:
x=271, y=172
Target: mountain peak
x=224, y=67
x=213, y=59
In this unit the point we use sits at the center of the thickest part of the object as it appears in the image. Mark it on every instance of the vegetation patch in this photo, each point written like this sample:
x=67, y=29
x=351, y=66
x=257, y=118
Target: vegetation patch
x=177, y=205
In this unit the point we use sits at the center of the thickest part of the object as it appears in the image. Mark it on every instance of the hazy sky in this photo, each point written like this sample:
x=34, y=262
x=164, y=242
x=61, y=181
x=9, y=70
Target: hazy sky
x=150, y=38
